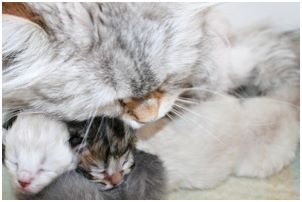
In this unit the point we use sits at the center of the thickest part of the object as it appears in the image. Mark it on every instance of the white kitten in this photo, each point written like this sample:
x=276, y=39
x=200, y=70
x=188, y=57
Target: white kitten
x=256, y=138
x=37, y=151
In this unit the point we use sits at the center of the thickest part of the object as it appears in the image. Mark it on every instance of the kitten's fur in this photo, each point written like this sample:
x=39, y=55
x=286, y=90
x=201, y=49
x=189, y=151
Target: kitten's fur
x=132, y=60
x=37, y=150
x=106, y=153
x=146, y=181
x=254, y=137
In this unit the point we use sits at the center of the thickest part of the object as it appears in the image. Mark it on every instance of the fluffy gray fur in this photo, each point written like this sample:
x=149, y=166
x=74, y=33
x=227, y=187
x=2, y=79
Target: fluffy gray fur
x=90, y=55
x=93, y=54
x=146, y=181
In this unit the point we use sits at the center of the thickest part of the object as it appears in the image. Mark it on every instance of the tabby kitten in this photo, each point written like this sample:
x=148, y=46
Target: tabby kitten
x=105, y=148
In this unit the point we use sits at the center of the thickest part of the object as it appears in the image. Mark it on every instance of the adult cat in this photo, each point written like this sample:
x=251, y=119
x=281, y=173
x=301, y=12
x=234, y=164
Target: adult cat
x=131, y=60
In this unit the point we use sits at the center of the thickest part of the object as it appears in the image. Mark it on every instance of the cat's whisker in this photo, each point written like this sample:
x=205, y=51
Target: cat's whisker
x=186, y=101
x=205, y=90
x=189, y=99
x=99, y=128
x=223, y=121
x=13, y=114
x=170, y=117
x=242, y=98
x=197, y=124
x=194, y=113
x=87, y=129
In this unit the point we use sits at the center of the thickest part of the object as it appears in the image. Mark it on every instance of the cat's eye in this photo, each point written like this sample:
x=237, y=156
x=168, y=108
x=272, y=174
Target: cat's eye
x=124, y=163
x=102, y=183
x=41, y=170
x=132, y=166
x=75, y=140
x=14, y=163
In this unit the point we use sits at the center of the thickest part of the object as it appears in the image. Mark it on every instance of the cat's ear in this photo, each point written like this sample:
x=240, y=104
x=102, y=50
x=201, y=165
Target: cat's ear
x=189, y=10
x=22, y=29
x=190, y=14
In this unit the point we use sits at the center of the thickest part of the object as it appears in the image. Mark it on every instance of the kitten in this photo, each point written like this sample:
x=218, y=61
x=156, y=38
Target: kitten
x=106, y=154
x=146, y=181
x=36, y=152
x=203, y=145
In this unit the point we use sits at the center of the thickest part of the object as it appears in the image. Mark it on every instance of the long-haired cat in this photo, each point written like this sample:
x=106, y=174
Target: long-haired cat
x=203, y=145
x=132, y=60
x=147, y=180
x=36, y=152
x=105, y=149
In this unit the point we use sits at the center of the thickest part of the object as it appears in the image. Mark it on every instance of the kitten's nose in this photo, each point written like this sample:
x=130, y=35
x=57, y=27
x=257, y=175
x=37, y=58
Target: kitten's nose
x=116, y=178
x=24, y=184
x=24, y=178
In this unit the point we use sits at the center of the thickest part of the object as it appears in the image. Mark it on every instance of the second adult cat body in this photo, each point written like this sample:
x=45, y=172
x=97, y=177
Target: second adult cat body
x=256, y=137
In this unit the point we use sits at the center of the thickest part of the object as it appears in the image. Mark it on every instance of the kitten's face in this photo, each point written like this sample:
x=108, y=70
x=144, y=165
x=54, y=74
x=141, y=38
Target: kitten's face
x=109, y=172
x=125, y=60
x=106, y=155
x=37, y=151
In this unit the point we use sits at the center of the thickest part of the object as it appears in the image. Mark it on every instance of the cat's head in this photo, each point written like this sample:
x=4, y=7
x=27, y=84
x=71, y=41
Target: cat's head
x=36, y=152
x=127, y=60
x=106, y=155
x=108, y=171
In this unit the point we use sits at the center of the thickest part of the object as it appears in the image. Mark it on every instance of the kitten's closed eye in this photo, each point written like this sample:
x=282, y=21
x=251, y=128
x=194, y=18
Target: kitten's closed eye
x=12, y=163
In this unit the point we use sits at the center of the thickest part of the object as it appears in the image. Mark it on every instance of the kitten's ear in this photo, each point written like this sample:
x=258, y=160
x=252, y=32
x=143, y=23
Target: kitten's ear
x=22, y=29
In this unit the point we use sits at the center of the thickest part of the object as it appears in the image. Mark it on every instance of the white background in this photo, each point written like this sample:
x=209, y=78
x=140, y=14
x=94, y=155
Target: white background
x=282, y=16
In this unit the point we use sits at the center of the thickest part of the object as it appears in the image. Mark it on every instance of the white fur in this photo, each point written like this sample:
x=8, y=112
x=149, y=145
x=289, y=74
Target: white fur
x=256, y=138
x=37, y=149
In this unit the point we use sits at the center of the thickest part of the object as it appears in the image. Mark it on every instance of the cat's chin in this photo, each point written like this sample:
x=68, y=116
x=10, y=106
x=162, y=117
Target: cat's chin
x=30, y=190
x=134, y=124
x=27, y=191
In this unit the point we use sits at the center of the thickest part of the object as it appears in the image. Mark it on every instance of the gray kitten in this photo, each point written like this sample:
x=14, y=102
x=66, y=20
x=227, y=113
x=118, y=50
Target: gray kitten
x=146, y=181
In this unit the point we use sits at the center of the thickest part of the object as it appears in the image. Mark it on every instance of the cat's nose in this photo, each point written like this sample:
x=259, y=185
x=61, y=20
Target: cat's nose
x=24, y=178
x=24, y=184
x=116, y=178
